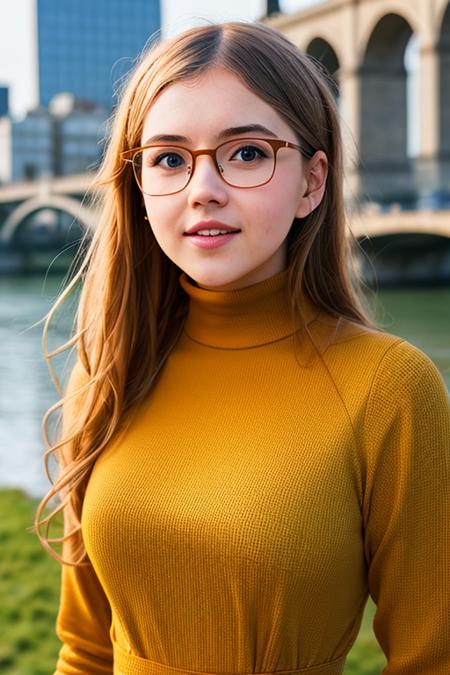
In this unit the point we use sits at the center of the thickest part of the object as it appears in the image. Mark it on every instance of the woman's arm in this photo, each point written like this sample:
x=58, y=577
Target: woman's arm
x=407, y=511
x=84, y=618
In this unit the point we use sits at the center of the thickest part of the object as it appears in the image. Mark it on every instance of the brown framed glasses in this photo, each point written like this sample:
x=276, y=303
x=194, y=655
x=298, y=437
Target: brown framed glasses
x=243, y=163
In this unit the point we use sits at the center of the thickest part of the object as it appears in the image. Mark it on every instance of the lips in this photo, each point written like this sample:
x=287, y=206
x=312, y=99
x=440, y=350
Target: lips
x=210, y=225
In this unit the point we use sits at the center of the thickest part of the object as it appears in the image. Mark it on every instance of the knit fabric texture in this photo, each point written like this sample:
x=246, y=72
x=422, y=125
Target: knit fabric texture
x=273, y=479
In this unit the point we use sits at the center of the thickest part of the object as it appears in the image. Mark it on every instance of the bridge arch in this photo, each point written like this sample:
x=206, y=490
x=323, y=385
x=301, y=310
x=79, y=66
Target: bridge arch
x=322, y=50
x=82, y=213
x=376, y=14
x=385, y=167
x=405, y=258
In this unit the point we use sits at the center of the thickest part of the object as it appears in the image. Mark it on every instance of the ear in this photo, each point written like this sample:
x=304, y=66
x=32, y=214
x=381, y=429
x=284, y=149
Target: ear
x=316, y=172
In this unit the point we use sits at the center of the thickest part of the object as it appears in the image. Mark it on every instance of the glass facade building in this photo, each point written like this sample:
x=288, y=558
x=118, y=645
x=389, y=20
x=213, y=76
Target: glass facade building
x=86, y=46
x=65, y=138
x=80, y=141
x=32, y=146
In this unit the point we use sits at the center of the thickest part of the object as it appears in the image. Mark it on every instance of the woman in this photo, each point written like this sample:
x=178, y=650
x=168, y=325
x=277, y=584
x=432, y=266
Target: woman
x=245, y=457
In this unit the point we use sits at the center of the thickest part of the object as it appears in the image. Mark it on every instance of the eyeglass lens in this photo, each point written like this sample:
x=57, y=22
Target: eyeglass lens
x=165, y=169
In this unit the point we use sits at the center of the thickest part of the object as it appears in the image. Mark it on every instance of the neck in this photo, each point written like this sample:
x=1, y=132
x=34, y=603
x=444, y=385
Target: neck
x=242, y=318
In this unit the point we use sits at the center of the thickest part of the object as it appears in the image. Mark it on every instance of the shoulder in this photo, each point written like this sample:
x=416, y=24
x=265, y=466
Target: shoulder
x=374, y=369
x=398, y=365
x=385, y=354
x=405, y=389
x=408, y=381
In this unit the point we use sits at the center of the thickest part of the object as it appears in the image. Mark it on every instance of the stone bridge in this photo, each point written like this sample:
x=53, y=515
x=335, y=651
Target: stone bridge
x=363, y=44
x=64, y=194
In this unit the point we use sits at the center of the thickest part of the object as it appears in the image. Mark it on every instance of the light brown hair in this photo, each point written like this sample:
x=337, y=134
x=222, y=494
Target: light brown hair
x=131, y=310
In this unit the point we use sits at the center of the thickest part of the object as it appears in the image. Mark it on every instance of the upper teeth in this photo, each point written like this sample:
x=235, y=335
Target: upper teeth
x=211, y=232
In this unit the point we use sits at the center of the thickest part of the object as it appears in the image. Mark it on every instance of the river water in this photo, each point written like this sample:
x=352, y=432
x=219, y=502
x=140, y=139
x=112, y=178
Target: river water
x=422, y=316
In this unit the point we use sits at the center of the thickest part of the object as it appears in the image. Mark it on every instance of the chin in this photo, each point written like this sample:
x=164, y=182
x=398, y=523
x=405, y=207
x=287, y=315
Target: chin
x=217, y=282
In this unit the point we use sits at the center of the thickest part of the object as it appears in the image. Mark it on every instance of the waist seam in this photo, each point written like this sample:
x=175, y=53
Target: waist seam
x=131, y=664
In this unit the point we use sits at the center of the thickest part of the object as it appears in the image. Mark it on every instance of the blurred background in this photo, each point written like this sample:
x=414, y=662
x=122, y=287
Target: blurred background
x=61, y=63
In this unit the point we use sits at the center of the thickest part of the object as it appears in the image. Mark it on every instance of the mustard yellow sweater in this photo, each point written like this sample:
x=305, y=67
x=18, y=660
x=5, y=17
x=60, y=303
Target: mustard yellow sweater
x=260, y=495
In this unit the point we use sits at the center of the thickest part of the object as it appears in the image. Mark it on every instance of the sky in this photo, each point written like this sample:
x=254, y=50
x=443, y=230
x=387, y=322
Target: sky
x=17, y=53
x=178, y=15
x=18, y=49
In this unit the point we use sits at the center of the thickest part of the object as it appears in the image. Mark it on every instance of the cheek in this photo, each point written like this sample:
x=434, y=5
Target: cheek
x=153, y=209
x=274, y=207
x=286, y=188
x=160, y=213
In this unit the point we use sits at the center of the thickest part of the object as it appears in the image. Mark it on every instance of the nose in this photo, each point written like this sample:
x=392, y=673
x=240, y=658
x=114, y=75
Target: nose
x=206, y=185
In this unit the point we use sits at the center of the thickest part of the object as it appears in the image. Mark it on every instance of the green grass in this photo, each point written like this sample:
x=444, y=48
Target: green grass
x=29, y=589
x=365, y=657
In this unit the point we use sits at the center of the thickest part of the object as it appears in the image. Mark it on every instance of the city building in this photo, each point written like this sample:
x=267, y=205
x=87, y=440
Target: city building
x=4, y=98
x=32, y=146
x=79, y=129
x=83, y=50
x=86, y=46
x=5, y=149
x=62, y=139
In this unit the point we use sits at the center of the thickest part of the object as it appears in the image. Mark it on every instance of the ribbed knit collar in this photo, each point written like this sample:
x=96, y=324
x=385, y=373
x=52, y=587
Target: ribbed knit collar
x=247, y=317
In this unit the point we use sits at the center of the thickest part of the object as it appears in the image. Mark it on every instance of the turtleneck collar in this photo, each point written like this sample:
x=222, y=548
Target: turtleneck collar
x=247, y=317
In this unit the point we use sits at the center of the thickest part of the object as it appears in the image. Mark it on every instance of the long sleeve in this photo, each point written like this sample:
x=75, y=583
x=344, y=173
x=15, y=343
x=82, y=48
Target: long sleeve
x=83, y=624
x=407, y=511
x=84, y=617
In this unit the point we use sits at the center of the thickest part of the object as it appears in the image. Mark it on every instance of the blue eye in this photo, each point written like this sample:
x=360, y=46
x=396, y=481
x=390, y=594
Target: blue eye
x=173, y=160
x=249, y=153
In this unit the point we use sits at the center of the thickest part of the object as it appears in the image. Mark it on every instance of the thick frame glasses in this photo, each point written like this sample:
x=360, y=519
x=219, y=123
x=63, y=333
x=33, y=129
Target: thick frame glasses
x=166, y=169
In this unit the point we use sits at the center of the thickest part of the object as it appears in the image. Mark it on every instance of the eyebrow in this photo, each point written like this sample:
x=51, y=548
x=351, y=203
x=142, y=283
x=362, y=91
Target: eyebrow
x=223, y=135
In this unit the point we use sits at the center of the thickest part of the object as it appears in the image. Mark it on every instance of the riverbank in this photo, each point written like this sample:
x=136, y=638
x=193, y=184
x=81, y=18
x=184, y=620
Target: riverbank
x=29, y=588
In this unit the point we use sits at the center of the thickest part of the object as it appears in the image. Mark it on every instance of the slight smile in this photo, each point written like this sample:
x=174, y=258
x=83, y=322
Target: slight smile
x=211, y=234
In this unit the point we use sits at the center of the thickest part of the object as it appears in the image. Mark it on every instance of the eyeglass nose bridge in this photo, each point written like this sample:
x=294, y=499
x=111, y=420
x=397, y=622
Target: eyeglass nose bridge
x=212, y=152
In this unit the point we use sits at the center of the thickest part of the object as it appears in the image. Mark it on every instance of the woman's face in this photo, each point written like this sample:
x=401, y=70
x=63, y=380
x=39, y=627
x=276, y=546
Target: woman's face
x=200, y=111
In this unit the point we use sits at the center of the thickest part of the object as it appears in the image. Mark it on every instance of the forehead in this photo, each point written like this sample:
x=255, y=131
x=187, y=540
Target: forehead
x=201, y=107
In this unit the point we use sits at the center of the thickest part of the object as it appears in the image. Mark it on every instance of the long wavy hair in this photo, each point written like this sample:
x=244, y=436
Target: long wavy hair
x=131, y=308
